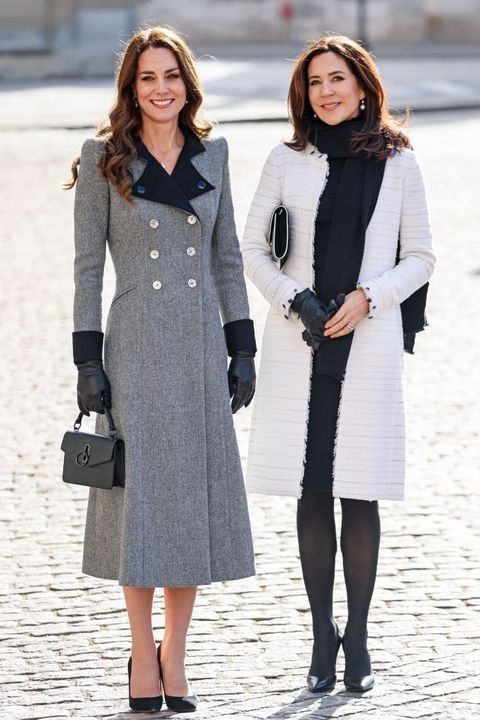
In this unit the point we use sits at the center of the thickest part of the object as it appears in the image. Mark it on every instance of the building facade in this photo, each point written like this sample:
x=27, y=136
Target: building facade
x=47, y=25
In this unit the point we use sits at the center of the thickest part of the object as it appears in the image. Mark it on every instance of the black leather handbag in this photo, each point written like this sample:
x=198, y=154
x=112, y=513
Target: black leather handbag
x=93, y=460
x=278, y=237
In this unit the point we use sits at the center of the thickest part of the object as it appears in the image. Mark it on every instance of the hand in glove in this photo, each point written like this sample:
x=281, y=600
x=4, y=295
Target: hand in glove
x=93, y=387
x=241, y=379
x=332, y=307
x=313, y=313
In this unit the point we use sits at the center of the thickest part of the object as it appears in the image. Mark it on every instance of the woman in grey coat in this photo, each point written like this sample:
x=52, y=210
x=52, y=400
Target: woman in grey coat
x=155, y=189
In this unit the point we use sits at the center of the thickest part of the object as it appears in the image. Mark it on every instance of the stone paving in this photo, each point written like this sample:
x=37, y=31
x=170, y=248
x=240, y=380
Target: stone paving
x=64, y=637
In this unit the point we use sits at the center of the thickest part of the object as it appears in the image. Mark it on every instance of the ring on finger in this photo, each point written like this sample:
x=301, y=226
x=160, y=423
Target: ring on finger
x=350, y=326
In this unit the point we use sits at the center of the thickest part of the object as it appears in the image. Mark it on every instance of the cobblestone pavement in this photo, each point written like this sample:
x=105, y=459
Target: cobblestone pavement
x=64, y=636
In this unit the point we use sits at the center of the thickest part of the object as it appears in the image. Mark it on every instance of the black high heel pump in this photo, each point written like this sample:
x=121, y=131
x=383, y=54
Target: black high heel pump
x=188, y=703
x=321, y=684
x=143, y=704
x=358, y=683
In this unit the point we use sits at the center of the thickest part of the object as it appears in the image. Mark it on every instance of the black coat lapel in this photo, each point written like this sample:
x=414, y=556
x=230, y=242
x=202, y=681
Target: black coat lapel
x=184, y=184
x=186, y=175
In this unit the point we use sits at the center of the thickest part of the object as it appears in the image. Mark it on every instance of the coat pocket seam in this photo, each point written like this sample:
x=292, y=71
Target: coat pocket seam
x=125, y=292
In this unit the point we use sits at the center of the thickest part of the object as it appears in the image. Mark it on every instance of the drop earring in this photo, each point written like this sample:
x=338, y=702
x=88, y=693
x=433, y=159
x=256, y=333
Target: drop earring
x=135, y=101
x=362, y=104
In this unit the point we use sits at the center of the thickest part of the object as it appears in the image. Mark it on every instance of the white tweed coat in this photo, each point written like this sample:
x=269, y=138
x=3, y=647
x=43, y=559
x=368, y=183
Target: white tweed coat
x=369, y=457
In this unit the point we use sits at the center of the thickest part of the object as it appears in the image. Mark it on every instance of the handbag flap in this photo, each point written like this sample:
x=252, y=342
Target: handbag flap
x=88, y=449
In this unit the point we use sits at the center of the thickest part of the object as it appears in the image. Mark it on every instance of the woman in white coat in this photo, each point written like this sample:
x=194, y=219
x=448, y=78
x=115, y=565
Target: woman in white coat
x=328, y=420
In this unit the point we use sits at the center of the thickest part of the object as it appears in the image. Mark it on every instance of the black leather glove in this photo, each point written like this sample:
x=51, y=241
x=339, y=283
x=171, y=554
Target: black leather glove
x=333, y=306
x=241, y=379
x=93, y=387
x=313, y=314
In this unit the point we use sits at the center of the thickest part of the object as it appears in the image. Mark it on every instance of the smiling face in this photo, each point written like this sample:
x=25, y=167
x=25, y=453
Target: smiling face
x=159, y=87
x=333, y=90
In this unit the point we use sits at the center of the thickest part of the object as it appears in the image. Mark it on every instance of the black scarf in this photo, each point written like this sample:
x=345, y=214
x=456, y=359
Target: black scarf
x=355, y=201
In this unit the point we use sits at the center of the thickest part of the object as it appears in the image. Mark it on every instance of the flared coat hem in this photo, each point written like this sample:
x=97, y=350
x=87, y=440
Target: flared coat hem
x=344, y=495
x=193, y=582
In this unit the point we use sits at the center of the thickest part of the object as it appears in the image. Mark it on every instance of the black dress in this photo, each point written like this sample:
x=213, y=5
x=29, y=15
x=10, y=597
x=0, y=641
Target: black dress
x=325, y=390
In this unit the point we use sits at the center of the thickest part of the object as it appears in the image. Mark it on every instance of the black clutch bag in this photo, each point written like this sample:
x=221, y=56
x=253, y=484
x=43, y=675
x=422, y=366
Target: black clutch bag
x=93, y=460
x=278, y=235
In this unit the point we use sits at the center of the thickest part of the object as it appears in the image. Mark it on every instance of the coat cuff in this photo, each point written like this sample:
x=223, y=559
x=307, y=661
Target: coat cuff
x=288, y=298
x=370, y=293
x=87, y=345
x=240, y=335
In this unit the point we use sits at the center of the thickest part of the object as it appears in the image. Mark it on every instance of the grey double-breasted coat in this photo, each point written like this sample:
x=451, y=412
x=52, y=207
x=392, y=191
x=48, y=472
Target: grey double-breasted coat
x=182, y=518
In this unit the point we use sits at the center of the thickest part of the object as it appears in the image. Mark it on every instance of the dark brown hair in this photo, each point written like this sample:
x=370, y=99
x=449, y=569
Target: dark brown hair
x=124, y=120
x=381, y=134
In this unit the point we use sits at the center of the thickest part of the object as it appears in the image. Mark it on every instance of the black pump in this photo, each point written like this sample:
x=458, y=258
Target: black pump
x=321, y=684
x=187, y=703
x=360, y=684
x=360, y=677
x=142, y=704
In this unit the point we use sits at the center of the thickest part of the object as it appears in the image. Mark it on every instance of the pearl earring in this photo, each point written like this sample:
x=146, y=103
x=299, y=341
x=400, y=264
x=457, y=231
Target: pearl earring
x=362, y=104
x=135, y=101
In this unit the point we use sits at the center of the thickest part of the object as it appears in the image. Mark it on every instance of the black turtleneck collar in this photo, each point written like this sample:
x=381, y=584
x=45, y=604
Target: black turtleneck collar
x=185, y=182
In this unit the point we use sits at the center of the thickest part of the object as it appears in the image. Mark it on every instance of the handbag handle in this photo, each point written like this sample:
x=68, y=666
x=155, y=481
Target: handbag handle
x=112, y=430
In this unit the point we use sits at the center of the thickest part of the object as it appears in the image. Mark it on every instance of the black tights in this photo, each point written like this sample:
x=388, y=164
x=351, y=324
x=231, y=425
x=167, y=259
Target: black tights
x=359, y=541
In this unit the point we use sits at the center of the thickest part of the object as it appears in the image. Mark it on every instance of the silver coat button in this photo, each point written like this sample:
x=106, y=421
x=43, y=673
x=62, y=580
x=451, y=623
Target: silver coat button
x=157, y=284
x=192, y=283
x=154, y=223
x=154, y=254
x=192, y=219
x=191, y=251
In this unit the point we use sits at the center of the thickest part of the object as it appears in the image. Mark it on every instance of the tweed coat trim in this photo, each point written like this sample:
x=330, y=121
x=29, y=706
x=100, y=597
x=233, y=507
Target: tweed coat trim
x=184, y=183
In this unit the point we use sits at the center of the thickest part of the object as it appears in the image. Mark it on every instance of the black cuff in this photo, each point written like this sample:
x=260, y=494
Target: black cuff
x=87, y=345
x=240, y=335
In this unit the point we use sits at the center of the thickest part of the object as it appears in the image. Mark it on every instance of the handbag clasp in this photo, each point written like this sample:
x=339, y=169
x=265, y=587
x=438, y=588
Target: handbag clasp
x=83, y=457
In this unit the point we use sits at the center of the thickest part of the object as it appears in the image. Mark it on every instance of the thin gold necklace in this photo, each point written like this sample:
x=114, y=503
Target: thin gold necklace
x=155, y=152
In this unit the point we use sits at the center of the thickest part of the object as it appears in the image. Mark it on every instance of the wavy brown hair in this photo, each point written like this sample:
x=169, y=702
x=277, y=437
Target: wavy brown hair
x=124, y=120
x=381, y=135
